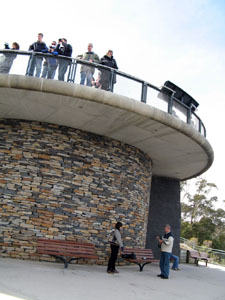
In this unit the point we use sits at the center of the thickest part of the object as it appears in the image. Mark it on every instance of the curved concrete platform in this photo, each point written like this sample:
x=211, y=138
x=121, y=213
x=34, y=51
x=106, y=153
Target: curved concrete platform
x=176, y=149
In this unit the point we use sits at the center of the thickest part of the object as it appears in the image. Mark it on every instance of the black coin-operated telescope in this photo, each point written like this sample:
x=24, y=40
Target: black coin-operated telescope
x=174, y=91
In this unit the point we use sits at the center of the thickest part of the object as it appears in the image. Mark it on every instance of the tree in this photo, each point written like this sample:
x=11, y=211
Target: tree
x=199, y=204
x=186, y=230
x=200, y=219
x=219, y=242
x=203, y=229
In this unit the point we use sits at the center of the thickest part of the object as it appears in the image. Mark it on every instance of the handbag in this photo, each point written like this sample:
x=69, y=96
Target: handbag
x=129, y=256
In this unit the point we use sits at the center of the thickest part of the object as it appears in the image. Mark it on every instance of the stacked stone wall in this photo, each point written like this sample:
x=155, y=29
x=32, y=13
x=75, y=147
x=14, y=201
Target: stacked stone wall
x=61, y=183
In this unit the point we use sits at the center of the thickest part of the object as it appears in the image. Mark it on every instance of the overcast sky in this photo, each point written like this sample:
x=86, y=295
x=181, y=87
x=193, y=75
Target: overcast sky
x=157, y=40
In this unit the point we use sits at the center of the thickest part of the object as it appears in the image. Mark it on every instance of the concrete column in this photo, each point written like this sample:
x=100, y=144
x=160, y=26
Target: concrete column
x=164, y=208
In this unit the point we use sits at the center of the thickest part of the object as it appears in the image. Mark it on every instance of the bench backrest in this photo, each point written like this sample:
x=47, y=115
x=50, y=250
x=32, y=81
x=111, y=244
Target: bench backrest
x=45, y=246
x=194, y=253
x=140, y=253
x=203, y=254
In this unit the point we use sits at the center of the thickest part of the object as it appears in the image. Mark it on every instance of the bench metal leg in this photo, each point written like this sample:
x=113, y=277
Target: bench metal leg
x=63, y=259
x=196, y=262
x=72, y=259
x=141, y=266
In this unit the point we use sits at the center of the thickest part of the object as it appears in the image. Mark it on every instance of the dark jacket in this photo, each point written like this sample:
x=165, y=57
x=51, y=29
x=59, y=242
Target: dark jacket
x=38, y=47
x=51, y=60
x=64, y=49
x=109, y=62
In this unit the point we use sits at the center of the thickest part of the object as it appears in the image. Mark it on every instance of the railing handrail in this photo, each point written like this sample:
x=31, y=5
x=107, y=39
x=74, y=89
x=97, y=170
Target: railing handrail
x=206, y=248
x=75, y=61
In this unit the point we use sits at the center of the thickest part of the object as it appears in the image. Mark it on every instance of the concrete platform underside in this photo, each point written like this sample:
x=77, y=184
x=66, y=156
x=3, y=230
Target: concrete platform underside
x=27, y=280
x=176, y=149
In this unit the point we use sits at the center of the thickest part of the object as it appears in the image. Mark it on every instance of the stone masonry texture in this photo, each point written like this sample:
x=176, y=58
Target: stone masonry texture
x=62, y=183
x=165, y=208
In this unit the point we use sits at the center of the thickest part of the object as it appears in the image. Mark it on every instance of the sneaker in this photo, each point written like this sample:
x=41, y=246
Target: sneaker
x=176, y=269
x=164, y=277
x=110, y=272
x=160, y=275
x=115, y=271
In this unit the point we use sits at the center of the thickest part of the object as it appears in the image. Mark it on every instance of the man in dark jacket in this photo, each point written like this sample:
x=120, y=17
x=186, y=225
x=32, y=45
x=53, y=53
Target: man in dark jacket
x=36, y=61
x=66, y=50
x=109, y=61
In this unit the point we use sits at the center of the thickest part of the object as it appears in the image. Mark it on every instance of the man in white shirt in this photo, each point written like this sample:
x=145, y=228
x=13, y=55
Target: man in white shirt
x=166, y=243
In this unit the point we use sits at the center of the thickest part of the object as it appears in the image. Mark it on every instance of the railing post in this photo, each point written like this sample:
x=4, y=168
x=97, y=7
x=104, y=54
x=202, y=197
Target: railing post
x=189, y=115
x=170, y=104
x=111, y=85
x=72, y=71
x=144, y=92
x=69, y=73
x=204, y=131
x=200, y=125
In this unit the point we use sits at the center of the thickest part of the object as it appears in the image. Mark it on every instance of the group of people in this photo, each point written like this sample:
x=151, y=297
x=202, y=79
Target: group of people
x=46, y=67
x=165, y=244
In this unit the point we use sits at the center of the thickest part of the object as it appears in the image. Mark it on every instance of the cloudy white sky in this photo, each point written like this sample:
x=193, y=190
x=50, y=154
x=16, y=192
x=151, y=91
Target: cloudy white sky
x=157, y=40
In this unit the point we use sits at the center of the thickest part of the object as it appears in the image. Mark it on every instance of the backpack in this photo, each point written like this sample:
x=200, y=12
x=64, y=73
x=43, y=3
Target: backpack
x=129, y=256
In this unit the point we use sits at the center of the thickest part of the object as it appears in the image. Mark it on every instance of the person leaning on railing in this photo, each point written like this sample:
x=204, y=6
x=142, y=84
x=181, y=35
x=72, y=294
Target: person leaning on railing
x=109, y=61
x=66, y=50
x=36, y=61
x=6, y=60
x=50, y=64
x=87, y=72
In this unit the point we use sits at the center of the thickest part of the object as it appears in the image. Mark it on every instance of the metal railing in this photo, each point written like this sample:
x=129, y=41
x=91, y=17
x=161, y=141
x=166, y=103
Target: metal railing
x=118, y=82
x=216, y=256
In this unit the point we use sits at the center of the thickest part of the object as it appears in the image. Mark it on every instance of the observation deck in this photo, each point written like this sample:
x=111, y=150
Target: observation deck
x=132, y=111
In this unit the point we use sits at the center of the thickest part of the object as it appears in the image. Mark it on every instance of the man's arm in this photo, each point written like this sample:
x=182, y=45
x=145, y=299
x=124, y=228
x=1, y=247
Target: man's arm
x=96, y=58
x=31, y=47
x=115, y=67
x=168, y=241
x=118, y=238
x=80, y=56
x=69, y=50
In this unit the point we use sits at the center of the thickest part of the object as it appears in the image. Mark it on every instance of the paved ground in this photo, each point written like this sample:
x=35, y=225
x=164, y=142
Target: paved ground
x=26, y=280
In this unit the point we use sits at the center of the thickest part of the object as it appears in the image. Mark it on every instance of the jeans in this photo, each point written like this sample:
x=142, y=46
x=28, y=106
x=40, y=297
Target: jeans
x=51, y=72
x=36, y=62
x=44, y=70
x=86, y=75
x=113, y=258
x=175, y=262
x=63, y=65
x=165, y=264
x=6, y=63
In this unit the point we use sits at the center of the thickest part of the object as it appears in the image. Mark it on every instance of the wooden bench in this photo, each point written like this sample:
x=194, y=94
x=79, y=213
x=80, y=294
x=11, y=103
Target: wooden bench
x=195, y=255
x=143, y=256
x=204, y=257
x=67, y=251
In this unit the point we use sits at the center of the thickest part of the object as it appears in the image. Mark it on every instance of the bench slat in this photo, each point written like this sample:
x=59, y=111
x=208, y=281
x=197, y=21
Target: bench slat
x=64, y=242
x=63, y=249
x=66, y=248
